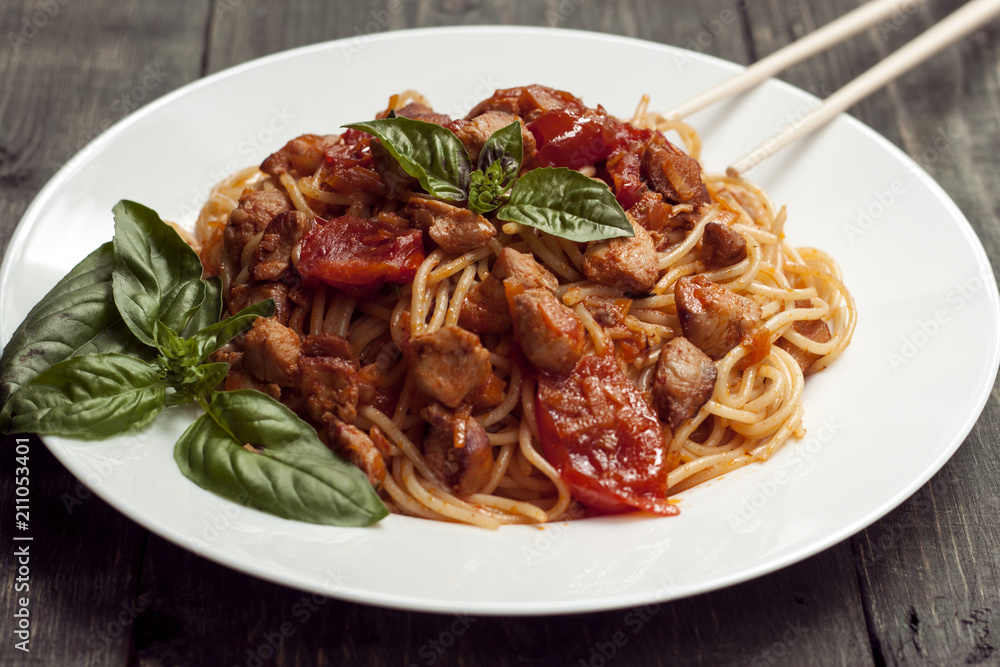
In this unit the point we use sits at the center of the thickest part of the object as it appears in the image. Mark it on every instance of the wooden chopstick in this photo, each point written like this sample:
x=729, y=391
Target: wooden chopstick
x=815, y=42
x=959, y=23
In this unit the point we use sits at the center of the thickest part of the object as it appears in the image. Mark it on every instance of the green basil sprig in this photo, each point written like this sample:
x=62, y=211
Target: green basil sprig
x=127, y=333
x=487, y=189
x=553, y=199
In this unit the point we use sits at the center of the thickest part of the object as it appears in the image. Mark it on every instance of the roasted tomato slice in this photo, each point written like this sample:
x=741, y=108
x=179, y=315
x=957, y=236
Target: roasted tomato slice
x=604, y=439
x=573, y=138
x=359, y=255
x=566, y=138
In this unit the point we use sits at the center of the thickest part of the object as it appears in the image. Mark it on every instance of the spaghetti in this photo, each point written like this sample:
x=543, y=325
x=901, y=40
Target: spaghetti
x=802, y=317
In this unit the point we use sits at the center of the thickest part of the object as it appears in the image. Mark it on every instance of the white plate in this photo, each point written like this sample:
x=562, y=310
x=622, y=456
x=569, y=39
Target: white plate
x=927, y=300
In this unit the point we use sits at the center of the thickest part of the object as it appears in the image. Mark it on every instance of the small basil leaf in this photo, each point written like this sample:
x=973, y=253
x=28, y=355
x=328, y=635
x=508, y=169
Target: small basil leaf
x=506, y=147
x=77, y=316
x=566, y=203
x=176, y=351
x=197, y=381
x=210, y=309
x=212, y=337
x=430, y=153
x=253, y=450
x=157, y=275
x=91, y=397
x=486, y=189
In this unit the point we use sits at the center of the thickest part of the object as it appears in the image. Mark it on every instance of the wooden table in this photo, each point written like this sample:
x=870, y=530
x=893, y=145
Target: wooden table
x=921, y=586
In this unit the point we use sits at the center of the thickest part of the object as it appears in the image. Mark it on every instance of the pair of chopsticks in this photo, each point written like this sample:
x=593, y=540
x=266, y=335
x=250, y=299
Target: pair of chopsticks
x=947, y=31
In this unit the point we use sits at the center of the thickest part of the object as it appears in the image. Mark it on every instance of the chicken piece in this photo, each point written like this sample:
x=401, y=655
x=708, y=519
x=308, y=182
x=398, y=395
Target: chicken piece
x=252, y=216
x=273, y=257
x=237, y=378
x=816, y=330
x=489, y=394
x=328, y=378
x=230, y=353
x=271, y=352
x=301, y=156
x=328, y=345
x=458, y=449
x=449, y=363
x=454, y=229
x=473, y=133
x=373, y=390
x=354, y=445
x=722, y=246
x=668, y=224
x=713, y=318
x=549, y=333
x=674, y=175
x=524, y=268
x=608, y=312
x=248, y=294
x=486, y=309
x=684, y=381
x=418, y=111
x=628, y=263
x=527, y=101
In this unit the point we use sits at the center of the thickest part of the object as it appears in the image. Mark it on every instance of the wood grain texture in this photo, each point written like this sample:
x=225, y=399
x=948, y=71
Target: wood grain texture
x=918, y=587
x=83, y=564
x=806, y=610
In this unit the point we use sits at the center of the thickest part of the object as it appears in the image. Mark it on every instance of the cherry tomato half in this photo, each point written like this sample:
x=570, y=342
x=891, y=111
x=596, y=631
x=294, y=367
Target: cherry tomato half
x=359, y=255
x=604, y=439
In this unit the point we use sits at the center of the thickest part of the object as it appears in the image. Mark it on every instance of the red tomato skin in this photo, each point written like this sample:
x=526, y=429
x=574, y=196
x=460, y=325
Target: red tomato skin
x=612, y=462
x=567, y=138
x=358, y=255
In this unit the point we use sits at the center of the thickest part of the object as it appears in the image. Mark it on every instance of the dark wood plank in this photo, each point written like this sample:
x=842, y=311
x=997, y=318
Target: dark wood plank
x=67, y=72
x=84, y=69
x=244, y=29
x=76, y=576
x=791, y=616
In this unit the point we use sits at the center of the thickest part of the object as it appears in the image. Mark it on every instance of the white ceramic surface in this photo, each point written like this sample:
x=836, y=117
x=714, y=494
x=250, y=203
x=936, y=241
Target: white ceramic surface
x=927, y=301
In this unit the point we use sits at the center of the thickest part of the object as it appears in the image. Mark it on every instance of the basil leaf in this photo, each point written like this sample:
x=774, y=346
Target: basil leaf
x=210, y=310
x=430, y=153
x=506, y=147
x=253, y=450
x=77, y=316
x=157, y=275
x=212, y=337
x=90, y=397
x=196, y=382
x=566, y=203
